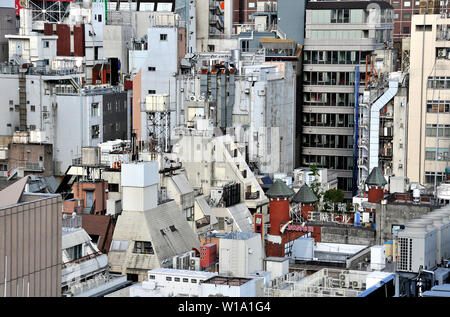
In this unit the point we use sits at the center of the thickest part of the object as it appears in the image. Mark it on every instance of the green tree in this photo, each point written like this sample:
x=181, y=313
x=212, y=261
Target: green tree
x=316, y=185
x=333, y=196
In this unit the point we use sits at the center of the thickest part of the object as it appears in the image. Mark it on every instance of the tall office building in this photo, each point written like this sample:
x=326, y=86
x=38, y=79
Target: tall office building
x=339, y=36
x=429, y=100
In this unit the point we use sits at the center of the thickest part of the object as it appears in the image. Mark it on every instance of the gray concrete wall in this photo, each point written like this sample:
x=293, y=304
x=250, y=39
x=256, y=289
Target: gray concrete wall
x=291, y=19
x=348, y=235
x=396, y=214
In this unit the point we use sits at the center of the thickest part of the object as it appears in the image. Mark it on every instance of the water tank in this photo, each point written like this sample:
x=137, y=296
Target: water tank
x=416, y=195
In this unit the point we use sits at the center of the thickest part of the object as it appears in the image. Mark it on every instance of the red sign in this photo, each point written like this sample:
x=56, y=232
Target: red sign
x=259, y=223
x=19, y=5
x=300, y=228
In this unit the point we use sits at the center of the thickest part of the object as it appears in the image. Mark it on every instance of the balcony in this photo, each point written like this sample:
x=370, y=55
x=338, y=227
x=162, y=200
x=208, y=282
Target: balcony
x=252, y=195
x=200, y=223
x=33, y=167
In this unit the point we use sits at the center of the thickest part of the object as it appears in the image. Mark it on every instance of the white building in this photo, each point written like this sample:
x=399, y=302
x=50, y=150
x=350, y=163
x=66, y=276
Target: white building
x=240, y=254
x=171, y=282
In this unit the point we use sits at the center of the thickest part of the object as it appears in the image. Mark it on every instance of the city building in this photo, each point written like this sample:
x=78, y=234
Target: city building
x=30, y=252
x=427, y=152
x=139, y=242
x=339, y=36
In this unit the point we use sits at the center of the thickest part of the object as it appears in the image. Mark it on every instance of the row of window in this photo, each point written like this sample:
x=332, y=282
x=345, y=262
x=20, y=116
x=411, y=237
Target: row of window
x=328, y=120
x=95, y=129
x=432, y=155
x=329, y=78
x=438, y=82
x=328, y=99
x=442, y=131
x=176, y=279
x=435, y=106
x=430, y=177
x=328, y=161
x=335, y=57
x=328, y=141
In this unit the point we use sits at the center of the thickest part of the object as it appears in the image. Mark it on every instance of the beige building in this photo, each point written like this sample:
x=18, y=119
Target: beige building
x=30, y=243
x=429, y=99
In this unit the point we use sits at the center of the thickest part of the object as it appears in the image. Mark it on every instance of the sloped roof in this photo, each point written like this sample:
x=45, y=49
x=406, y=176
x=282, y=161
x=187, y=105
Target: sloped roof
x=242, y=217
x=305, y=195
x=182, y=183
x=164, y=226
x=11, y=194
x=376, y=178
x=279, y=189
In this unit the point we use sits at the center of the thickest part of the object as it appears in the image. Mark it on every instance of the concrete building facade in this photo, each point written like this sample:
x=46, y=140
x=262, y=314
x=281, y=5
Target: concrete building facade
x=429, y=95
x=338, y=38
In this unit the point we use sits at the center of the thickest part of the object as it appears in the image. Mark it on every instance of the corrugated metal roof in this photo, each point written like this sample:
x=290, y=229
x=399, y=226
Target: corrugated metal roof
x=73, y=238
x=182, y=183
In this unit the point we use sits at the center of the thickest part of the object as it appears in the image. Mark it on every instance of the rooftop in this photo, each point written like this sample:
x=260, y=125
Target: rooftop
x=324, y=5
x=226, y=280
x=279, y=190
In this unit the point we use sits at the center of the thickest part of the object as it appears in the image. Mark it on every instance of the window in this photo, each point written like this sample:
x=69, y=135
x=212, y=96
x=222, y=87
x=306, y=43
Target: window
x=95, y=131
x=189, y=212
x=193, y=281
x=32, y=127
x=16, y=108
x=95, y=110
x=151, y=277
x=99, y=18
x=46, y=44
x=185, y=280
x=443, y=131
x=114, y=188
x=32, y=108
x=152, y=92
x=168, y=278
x=75, y=252
x=407, y=16
x=395, y=15
x=406, y=30
x=163, y=37
x=143, y=247
x=251, y=4
x=407, y=3
x=151, y=69
x=176, y=279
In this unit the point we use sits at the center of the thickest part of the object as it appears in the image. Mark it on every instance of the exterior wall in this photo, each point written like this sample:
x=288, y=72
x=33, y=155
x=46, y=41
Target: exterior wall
x=316, y=21
x=424, y=64
x=35, y=158
x=63, y=42
x=235, y=258
x=31, y=249
x=279, y=213
x=348, y=235
x=396, y=214
x=114, y=43
x=291, y=19
x=99, y=195
x=399, y=155
x=7, y=26
x=245, y=290
x=115, y=113
x=403, y=11
x=136, y=108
